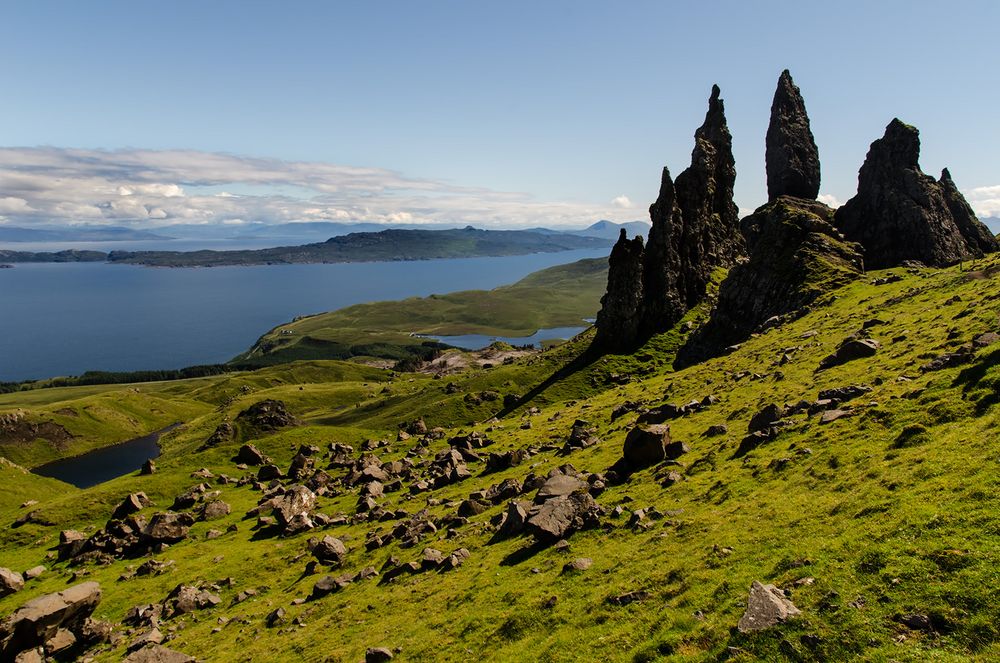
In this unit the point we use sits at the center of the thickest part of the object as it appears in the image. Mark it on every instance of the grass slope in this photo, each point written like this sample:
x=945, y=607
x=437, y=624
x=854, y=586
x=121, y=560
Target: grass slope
x=889, y=511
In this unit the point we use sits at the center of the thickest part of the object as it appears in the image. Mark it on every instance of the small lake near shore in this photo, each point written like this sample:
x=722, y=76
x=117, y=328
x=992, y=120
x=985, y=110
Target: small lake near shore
x=107, y=463
x=480, y=341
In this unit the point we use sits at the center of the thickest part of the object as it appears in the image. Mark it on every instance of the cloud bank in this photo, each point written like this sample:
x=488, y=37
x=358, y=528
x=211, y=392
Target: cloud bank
x=985, y=200
x=158, y=188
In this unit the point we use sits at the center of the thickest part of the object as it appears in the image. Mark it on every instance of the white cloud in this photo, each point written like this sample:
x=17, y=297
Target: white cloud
x=985, y=200
x=829, y=199
x=164, y=187
x=11, y=205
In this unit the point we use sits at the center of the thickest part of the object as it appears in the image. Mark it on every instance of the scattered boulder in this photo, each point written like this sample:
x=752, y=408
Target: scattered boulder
x=559, y=485
x=267, y=415
x=330, y=550
x=168, y=527
x=849, y=350
x=250, y=455
x=214, y=510
x=155, y=653
x=10, y=581
x=559, y=517
x=39, y=620
x=149, y=467
x=131, y=504
x=646, y=445
x=578, y=564
x=767, y=606
x=377, y=655
x=297, y=500
x=223, y=433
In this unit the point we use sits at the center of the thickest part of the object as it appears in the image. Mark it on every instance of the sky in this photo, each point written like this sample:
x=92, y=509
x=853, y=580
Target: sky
x=498, y=114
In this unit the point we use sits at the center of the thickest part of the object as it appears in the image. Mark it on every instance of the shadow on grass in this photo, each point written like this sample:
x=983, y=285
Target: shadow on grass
x=523, y=554
x=581, y=362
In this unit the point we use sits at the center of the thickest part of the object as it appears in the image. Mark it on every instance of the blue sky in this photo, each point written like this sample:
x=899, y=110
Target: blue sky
x=496, y=113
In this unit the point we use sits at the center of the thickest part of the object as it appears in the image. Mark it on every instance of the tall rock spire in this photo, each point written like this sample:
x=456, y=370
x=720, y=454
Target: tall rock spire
x=791, y=156
x=695, y=229
x=899, y=213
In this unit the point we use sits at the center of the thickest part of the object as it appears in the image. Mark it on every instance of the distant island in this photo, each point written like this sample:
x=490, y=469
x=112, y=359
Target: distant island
x=386, y=245
x=83, y=233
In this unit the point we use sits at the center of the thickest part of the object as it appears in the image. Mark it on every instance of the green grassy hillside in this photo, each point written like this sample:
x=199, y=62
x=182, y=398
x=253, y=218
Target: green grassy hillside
x=560, y=296
x=882, y=514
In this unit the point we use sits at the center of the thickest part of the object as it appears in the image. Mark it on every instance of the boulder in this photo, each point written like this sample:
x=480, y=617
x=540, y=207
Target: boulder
x=767, y=606
x=131, y=504
x=559, y=517
x=39, y=620
x=377, y=655
x=250, y=455
x=267, y=415
x=297, y=500
x=791, y=155
x=849, y=350
x=578, y=564
x=330, y=550
x=646, y=445
x=559, y=485
x=10, y=581
x=168, y=527
x=215, y=509
x=149, y=467
x=157, y=654
x=71, y=542
x=901, y=214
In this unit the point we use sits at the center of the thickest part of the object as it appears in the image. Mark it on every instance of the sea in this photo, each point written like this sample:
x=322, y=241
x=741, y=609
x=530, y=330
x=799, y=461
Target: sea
x=65, y=319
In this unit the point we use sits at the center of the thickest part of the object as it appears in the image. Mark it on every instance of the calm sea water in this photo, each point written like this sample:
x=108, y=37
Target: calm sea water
x=64, y=319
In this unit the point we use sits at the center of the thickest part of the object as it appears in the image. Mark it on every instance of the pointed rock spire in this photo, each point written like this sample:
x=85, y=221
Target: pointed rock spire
x=975, y=232
x=695, y=229
x=619, y=319
x=899, y=213
x=791, y=156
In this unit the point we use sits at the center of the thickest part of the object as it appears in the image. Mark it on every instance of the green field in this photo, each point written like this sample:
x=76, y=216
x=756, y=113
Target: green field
x=887, y=512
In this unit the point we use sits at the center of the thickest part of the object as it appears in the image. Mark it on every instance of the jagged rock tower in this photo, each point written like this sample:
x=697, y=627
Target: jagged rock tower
x=791, y=156
x=796, y=253
x=899, y=213
x=695, y=229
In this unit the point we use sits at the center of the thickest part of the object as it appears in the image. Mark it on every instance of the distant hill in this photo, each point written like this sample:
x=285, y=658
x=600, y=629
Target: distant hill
x=993, y=223
x=76, y=234
x=386, y=245
x=610, y=229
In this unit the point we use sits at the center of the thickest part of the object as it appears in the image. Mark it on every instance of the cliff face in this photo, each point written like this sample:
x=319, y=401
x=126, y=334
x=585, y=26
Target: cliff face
x=796, y=257
x=621, y=305
x=695, y=229
x=899, y=213
x=796, y=253
x=791, y=154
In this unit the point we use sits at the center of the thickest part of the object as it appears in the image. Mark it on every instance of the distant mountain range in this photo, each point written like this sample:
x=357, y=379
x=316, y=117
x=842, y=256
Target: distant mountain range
x=610, y=229
x=386, y=245
x=993, y=223
x=76, y=234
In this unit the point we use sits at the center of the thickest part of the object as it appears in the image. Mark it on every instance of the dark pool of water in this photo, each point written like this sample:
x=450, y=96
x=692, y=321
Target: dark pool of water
x=105, y=464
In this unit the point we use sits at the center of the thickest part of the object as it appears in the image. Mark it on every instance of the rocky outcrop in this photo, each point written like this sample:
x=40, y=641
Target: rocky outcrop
x=620, y=318
x=695, y=230
x=767, y=606
x=796, y=257
x=899, y=213
x=791, y=155
x=55, y=621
